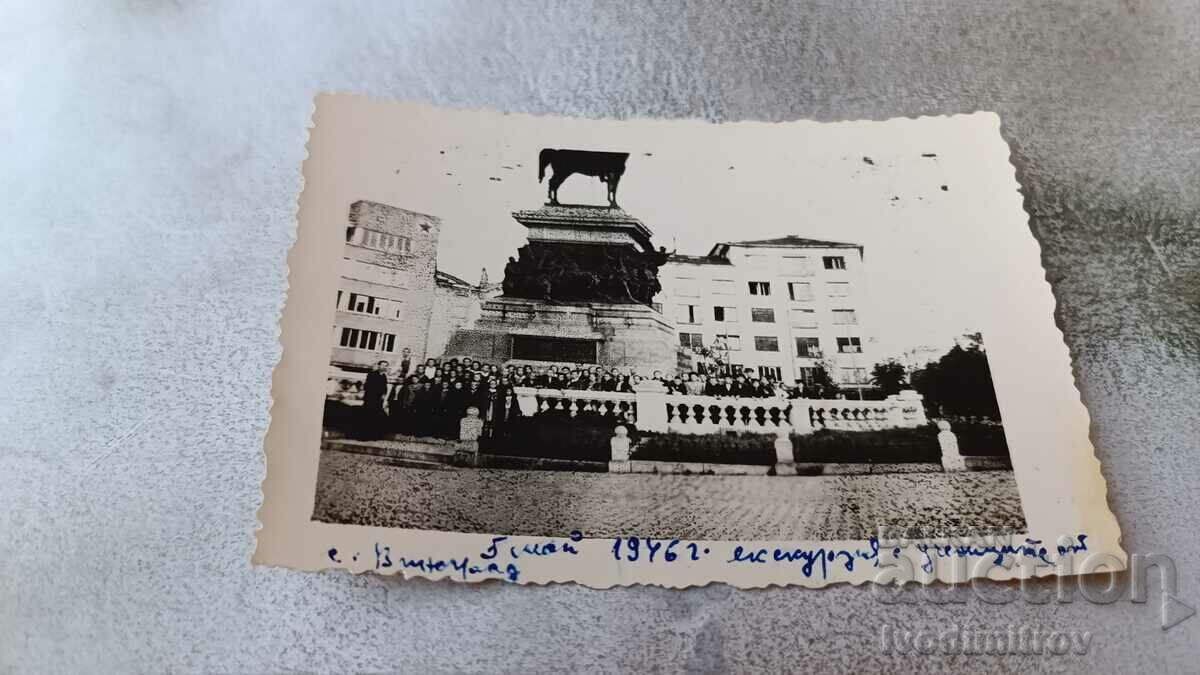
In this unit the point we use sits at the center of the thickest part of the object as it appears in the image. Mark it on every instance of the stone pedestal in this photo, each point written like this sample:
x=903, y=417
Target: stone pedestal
x=577, y=294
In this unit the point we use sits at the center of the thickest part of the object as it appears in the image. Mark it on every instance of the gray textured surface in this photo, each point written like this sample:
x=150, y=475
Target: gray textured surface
x=150, y=164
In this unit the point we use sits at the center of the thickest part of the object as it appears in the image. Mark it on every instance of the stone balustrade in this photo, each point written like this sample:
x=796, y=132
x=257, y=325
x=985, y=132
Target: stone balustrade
x=899, y=411
x=710, y=414
x=572, y=403
x=654, y=410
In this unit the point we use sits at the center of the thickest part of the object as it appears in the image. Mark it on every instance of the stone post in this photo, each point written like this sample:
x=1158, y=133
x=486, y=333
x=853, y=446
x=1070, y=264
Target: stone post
x=895, y=412
x=471, y=426
x=912, y=398
x=651, y=406
x=799, y=418
x=620, y=450
x=951, y=460
x=785, y=455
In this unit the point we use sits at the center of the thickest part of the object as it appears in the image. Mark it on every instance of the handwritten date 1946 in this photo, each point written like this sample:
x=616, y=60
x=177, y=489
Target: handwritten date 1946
x=644, y=549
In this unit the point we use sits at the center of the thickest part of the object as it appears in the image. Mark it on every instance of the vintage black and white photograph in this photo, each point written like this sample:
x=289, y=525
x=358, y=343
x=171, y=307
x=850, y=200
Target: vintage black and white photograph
x=741, y=341
x=533, y=348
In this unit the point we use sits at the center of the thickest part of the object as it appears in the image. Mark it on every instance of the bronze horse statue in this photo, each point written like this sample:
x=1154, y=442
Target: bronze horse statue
x=606, y=166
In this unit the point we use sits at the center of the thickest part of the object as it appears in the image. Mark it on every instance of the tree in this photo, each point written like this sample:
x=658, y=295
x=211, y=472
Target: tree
x=890, y=377
x=821, y=385
x=959, y=383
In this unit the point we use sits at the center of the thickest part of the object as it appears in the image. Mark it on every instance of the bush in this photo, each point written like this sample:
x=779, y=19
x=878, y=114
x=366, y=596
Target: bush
x=581, y=438
x=727, y=448
x=882, y=446
x=351, y=421
x=980, y=438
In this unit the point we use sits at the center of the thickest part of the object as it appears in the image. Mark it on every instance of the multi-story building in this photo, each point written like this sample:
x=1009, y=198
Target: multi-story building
x=781, y=307
x=391, y=296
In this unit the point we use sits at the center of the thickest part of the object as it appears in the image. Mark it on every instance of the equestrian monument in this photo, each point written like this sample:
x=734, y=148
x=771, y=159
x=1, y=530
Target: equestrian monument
x=581, y=289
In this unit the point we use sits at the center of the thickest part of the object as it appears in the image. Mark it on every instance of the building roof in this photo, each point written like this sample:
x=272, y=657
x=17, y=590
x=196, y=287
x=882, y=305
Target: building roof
x=697, y=259
x=791, y=241
x=447, y=279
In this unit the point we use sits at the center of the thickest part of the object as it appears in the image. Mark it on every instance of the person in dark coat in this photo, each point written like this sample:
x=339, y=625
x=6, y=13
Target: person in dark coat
x=402, y=407
x=423, y=408
x=375, y=391
x=455, y=406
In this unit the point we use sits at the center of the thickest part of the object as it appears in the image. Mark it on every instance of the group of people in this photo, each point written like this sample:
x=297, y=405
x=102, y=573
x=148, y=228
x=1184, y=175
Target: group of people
x=431, y=398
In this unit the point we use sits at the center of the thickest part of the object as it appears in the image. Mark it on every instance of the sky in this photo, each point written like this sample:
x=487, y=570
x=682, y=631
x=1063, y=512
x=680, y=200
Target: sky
x=923, y=196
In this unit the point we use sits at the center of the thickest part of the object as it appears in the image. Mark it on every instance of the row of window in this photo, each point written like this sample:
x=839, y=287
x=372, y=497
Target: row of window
x=370, y=340
x=807, y=374
x=380, y=241
x=798, y=291
x=361, y=303
x=809, y=347
x=793, y=265
x=799, y=317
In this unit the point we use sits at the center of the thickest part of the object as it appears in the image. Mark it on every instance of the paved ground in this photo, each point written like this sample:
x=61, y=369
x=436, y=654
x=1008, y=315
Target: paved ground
x=364, y=490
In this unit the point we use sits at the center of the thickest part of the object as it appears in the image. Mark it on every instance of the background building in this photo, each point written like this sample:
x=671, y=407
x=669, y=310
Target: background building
x=391, y=295
x=781, y=307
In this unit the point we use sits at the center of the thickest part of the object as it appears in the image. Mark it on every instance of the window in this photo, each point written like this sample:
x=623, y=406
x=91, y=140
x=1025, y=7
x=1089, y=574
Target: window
x=363, y=304
x=800, y=290
x=838, y=289
x=807, y=374
x=766, y=343
x=762, y=315
x=844, y=317
x=808, y=347
x=380, y=241
x=693, y=340
x=795, y=266
x=755, y=262
x=849, y=345
x=732, y=343
x=760, y=288
x=355, y=338
x=725, y=314
x=773, y=373
x=687, y=314
x=802, y=318
x=686, y=287
x=852, y=375
x=834, y=262
x=723, y=287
